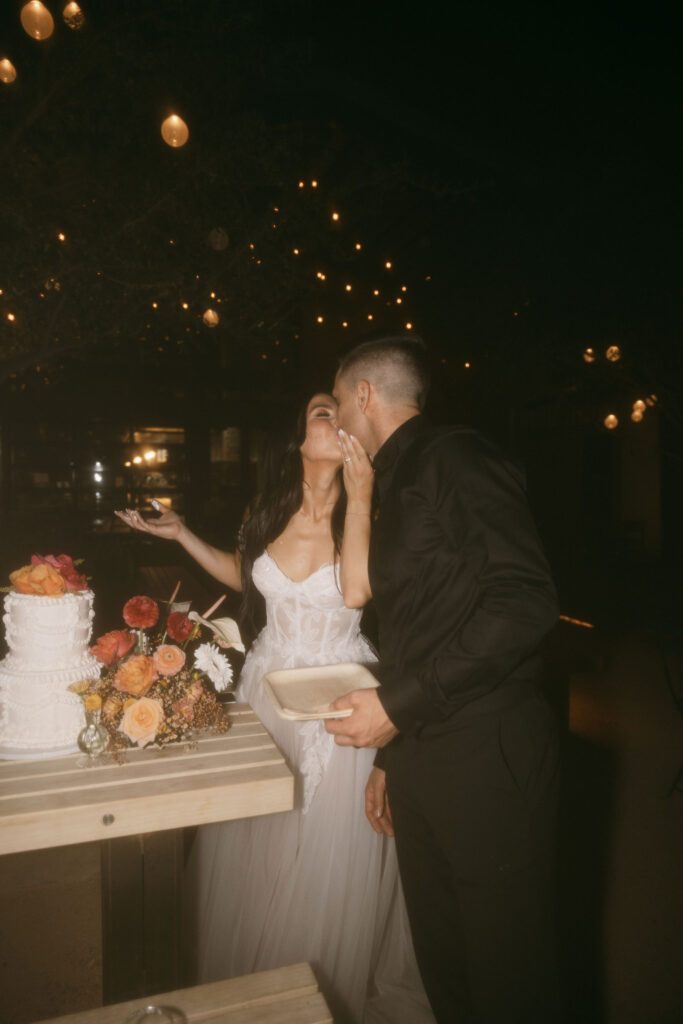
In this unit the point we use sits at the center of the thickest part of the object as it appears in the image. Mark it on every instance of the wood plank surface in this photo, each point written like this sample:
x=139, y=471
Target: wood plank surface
x=55, y=802
x=287, y=995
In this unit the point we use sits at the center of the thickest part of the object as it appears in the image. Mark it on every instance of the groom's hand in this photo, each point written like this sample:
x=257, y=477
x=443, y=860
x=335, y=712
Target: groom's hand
x=368, y=726
x=377, y=803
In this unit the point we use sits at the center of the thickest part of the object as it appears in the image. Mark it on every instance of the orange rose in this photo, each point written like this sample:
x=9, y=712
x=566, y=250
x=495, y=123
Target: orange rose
x=112, y=646
x=168, y=659
x=38, y=579
x=142, y=720
x=136, y=675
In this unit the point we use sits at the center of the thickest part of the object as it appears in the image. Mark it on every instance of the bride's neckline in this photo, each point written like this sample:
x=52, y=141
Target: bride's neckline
x=283, y=573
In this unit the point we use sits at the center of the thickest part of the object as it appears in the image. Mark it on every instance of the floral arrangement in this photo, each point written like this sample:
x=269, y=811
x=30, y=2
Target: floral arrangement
x=49, y=576
x=159, y=687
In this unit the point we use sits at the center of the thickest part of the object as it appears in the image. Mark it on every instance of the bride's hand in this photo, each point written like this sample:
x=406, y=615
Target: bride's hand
x=359, y=477
x=169, y=524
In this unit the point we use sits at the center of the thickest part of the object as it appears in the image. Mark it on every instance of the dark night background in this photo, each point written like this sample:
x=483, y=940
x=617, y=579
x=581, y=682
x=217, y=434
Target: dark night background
x=517, y=166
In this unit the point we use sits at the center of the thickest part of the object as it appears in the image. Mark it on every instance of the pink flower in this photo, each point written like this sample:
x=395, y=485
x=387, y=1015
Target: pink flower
x=168, y=659
x=65, y=567
x=142, y=720
x=141, y=612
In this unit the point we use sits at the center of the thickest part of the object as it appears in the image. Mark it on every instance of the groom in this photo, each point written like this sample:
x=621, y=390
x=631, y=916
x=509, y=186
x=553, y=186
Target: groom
x=468, y=747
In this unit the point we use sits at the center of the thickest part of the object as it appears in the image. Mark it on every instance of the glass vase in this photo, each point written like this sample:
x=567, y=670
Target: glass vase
x=93, y=738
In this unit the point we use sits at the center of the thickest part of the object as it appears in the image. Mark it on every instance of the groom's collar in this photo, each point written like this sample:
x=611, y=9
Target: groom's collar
x=396, y=444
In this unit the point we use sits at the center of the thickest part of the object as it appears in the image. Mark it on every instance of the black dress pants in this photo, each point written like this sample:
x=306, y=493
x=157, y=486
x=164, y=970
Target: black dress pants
x=475, y=811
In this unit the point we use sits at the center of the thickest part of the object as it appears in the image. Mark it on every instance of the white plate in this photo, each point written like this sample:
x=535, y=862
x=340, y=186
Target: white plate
x=301, y=694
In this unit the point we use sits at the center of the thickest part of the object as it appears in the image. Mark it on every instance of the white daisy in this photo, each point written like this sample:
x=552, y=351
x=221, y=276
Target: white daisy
x=208, y=659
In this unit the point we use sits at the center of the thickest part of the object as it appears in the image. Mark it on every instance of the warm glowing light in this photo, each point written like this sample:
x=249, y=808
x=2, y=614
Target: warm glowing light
x=376, y=291
x=613, y=353
x=409, y=326
x=335, y=216
x=370, y=316
x=185, y=305
x=467, y=366
x=428, y=277
x=589, y=355
x=174, y=131
x=251, y=245
x=150, y=455
x=358, y=246
x=61, y=236
x=637, y=415
x=36, y=20
x=137, y=460
x=320, y=319
x=8, y=72
x=73, y=16
x=347, y=287
x=211, y=318
x=128, y=464
x=577, y=622
x=388, y=265
x=344, y=323
x=155, y=305
x=301, y=184
x=651, y=400
x=213, y=295
x=639, y=405
x=399, y=301
x=11, y=316
x=295, y=251
x=611, y=421
x=403, y=288
x=314, y=184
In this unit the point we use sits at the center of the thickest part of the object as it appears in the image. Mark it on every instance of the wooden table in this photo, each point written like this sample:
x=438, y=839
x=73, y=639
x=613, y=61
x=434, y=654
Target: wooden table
x=287, y=995
x=138, y=810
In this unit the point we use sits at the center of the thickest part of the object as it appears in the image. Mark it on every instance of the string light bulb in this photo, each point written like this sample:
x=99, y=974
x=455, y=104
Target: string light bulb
x=8, y=72
x=211, y=318
x=73, y=16
x=611, y=421
x=320, y=319
x=613, y=353
x=174, y=131
x=358, y=247
x=347, y=287
x=335, y=216
x=637, y=415
x=589, y=355
x=36, y=20
x=409, y=326
x=639, y=405
x=388, y=264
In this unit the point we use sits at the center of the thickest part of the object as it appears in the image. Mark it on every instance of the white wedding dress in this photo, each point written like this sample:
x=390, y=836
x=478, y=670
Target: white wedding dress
x=316, y=883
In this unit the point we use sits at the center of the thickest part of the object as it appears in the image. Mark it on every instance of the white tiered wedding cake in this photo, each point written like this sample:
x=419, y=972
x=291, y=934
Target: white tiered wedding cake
x=48, y=641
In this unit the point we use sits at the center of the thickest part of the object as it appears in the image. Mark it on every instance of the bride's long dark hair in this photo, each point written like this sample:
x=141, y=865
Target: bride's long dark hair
x=281, y=495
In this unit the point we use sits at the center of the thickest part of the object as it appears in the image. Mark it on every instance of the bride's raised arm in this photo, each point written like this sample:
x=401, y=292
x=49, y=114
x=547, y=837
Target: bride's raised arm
x=224, y=566
x=359, y=482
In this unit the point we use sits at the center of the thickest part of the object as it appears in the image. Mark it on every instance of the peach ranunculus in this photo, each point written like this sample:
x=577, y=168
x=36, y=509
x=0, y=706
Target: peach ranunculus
x=142, y=720
x=38, y=579
x=168, y=659
x=136, y=675
x=140, y=612
x=113, y=646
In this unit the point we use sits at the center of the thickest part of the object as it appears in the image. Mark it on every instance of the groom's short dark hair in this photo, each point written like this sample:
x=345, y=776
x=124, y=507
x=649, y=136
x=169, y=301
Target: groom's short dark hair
x=395, y=364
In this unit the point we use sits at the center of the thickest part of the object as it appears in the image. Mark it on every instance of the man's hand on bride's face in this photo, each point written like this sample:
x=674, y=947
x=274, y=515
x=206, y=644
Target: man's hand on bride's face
x=168, y=525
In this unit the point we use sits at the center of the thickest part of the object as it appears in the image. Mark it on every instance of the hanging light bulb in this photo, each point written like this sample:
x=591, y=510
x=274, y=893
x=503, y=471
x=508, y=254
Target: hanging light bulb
x=639, y=405
x=8, y=72
x=637, y=415
x=36, y=20
x=174, y=131
x=611, y=421
x=613, y=353
x=589, y=355
x=73, y=16
x=211, y=318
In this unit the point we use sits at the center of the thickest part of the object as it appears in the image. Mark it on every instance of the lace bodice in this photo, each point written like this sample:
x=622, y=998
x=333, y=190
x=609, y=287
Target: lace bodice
x=308, y=621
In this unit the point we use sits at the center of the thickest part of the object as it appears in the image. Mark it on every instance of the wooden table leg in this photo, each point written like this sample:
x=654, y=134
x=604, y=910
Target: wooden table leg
x=141, y=915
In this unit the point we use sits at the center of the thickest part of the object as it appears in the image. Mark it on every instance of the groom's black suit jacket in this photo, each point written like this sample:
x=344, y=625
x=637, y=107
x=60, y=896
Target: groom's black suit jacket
x=461, y=585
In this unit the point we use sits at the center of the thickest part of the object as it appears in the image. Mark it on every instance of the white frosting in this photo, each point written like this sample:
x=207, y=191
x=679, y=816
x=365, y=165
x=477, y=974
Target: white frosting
x=48, y=641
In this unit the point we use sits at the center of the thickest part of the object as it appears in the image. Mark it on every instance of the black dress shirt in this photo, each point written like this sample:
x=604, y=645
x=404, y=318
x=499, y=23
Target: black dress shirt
x=462, y=589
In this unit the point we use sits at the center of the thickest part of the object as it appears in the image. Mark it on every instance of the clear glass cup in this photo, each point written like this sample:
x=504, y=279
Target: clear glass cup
x=151, y=1014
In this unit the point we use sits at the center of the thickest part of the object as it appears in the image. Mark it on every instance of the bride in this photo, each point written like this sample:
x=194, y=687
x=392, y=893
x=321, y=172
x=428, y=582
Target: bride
x=316, y=883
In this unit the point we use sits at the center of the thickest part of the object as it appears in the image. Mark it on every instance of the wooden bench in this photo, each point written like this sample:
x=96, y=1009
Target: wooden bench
x=287, y=995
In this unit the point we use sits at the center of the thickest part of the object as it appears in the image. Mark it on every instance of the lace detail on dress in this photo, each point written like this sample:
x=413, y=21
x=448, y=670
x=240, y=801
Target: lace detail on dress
x=307, y=624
